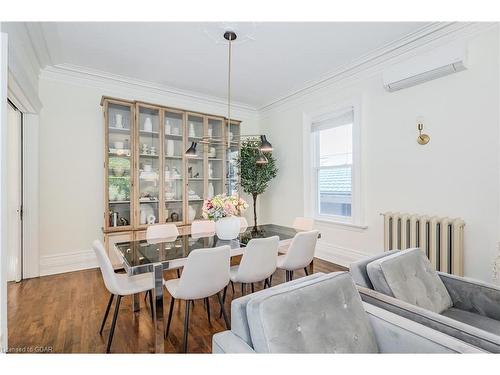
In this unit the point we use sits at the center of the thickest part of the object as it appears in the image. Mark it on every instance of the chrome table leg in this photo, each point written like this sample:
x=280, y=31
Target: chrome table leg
x=159, y=323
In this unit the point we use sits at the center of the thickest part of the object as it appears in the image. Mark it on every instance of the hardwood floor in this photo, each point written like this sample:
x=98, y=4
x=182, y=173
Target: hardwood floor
x=62, y=313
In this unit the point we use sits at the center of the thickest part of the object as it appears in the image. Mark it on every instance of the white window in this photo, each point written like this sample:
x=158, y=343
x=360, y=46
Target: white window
x=334, y=172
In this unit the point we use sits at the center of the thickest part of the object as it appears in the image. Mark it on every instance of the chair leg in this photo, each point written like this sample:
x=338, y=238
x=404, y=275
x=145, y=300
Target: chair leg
x=178, y=273
x=253, y=291
x=207, y=302
x=106, y=313
x=287, y=276
x=112, y=332
x=305, y=270
x=172, y=300
x=228, y=326
x=186, y=326
x=151, y=305
x=223, y=301
x=146, y=295
x=232, y=286
x=270, y=281
x=243, y=289
x=265, y=283
x=291, y=275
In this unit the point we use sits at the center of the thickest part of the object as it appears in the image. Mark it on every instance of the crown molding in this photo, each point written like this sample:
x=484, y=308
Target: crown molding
x=36, y=36
x=74, y=73
x=438, y=32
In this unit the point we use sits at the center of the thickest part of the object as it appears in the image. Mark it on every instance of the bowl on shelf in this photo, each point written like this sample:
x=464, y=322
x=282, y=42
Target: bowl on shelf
x=119, y=166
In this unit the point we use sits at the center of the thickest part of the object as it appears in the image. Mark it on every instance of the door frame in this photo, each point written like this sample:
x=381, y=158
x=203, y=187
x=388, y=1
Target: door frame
x=20, y=251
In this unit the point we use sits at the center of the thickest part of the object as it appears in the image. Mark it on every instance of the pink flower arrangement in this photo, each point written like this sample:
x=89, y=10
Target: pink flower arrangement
x=222, y=206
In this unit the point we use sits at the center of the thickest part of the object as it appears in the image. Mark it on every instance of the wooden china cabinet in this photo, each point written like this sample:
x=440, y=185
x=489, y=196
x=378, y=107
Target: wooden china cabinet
x=147, y=178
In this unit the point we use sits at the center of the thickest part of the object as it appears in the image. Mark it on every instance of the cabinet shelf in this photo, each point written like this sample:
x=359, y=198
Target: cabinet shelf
x=146, y=133
x=173, y=136
x=119, y=154
x=119, y=202
x=148, y=156
x=112, y=129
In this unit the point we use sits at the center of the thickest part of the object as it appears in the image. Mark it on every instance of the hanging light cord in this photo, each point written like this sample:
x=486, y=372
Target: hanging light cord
x=229, y=94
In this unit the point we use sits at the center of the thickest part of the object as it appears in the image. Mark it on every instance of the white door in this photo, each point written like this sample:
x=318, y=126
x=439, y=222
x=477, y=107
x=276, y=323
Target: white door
x=14, y=202
x=3, y=193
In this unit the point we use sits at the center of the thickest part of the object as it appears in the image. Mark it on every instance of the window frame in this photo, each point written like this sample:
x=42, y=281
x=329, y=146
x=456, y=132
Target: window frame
x=312, y=166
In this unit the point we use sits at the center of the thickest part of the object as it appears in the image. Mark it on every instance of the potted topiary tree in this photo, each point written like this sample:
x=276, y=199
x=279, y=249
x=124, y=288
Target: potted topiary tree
x=254, y=176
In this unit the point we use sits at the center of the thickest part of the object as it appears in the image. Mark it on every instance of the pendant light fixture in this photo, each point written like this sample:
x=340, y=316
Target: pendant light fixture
x=229, y=36
x=261, y=159
x=191, y=151
x=265, y=145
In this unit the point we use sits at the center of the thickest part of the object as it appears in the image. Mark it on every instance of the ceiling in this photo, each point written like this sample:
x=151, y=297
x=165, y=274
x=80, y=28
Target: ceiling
x=270, y=60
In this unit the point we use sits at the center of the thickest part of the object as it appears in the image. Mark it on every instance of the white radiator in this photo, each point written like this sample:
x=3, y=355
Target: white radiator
x=441, y=238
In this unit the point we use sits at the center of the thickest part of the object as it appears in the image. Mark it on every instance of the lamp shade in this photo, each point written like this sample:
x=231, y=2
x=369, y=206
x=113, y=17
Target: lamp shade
x=191, y=151
x=261, y=159
x=265, y=146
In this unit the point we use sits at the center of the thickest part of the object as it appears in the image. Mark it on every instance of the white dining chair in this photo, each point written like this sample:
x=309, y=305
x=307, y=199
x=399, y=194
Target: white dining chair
x=161, y=231
x=300, y=253
x=119, y=285
x=201, y=227
x=303, y=223
x=299, y=224
x=243, y=224
x=257, y=264
x=205, y=273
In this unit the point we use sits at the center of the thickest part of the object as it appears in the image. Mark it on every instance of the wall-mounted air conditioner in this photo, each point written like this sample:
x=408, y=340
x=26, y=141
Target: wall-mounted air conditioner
x=424, y=68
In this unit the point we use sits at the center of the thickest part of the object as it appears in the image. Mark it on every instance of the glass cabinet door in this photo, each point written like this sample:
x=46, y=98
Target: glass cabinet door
x=195, y=167
x=119, y=165
x=173, y=149
x=148, y=148
x=215, y=155
x=232, y=152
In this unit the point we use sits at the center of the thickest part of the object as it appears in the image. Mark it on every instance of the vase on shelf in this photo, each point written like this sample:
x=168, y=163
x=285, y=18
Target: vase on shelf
x=191, y=130
x=118, y=121
x=143, y=218
x=192, y=213
x=227, y=228
x=170, y=147
x=211, y=190
x=148, y=125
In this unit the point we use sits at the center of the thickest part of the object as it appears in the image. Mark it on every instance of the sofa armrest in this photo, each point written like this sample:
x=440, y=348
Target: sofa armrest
x=228, y=342
x=473, y=295
x=395, y=334
x=461, y=331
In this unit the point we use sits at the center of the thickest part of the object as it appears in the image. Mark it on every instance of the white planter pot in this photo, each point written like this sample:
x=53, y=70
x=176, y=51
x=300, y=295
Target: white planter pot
x=227, y=228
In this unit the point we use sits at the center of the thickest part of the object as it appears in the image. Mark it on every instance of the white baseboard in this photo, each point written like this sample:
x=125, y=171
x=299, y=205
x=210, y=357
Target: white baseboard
x=337, y=254
x=67, y=262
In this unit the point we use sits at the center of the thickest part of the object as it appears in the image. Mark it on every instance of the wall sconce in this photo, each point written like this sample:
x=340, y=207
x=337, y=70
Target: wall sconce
x=422, y=139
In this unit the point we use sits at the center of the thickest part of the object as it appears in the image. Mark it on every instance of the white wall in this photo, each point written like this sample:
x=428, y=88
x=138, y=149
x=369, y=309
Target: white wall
x=456, y=174
x=71, y=160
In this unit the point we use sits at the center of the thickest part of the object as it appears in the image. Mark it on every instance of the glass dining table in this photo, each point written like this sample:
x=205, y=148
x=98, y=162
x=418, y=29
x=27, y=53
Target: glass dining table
x=142, y=256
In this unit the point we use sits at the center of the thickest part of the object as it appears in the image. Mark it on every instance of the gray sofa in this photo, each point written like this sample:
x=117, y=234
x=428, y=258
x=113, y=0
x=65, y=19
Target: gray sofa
x=323, y=313
x=405, y=283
